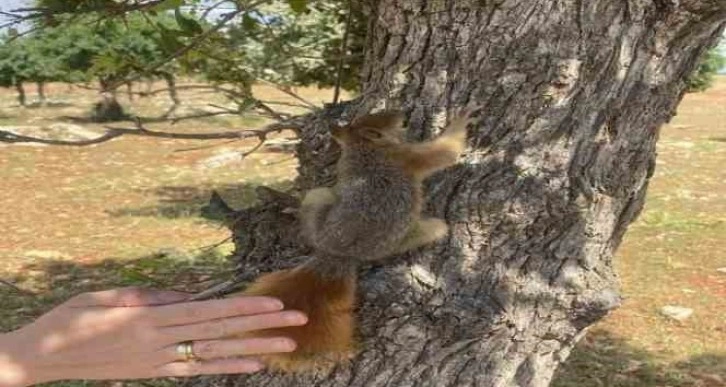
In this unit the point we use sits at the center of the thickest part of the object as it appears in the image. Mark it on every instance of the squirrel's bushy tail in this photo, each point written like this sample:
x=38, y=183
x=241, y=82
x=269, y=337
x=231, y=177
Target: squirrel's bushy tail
x=325, y=292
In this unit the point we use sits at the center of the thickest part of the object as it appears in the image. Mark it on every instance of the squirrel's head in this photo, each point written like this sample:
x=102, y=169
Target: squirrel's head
x=384, y=128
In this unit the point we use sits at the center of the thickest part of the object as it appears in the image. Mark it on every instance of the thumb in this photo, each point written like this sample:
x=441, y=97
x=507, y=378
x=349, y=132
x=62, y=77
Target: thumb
x=130, y=296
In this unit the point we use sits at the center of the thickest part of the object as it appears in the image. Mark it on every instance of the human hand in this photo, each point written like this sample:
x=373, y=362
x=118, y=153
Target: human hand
x=133, y=333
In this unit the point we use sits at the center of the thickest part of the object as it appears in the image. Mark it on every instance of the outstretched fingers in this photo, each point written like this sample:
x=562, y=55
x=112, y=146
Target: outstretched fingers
x=198, y=311
x=215, y=367
x=225, y=327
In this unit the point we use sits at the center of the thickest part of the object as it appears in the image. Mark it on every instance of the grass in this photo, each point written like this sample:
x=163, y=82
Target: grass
x=127, y=212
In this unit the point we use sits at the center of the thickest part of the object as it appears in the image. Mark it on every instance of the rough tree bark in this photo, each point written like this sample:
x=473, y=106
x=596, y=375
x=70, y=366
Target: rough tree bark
x=130, y=91
x=173, y=93
x=21, y=93
x=41, y=93
x=573, y=94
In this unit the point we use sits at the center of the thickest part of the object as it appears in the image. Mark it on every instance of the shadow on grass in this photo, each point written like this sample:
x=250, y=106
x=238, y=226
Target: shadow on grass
x=188, y=201
x=53, y=281
x=717, y=139
x=602, y=359
x=48, y=105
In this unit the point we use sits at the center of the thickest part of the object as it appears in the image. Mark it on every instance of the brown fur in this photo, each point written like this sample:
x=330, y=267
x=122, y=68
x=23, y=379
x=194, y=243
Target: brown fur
x=328, y=303
x=373, y=212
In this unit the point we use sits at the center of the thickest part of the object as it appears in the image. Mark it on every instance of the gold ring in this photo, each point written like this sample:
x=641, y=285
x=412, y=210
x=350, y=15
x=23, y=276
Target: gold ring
x=186, y=350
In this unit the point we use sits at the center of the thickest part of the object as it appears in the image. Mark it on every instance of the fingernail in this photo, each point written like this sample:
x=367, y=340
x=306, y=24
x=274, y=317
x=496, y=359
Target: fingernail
x=285, y=345
x=275, y=304
x=296, y=318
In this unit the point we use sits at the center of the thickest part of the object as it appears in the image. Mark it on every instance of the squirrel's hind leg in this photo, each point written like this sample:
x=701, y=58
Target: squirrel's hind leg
x=422, y=232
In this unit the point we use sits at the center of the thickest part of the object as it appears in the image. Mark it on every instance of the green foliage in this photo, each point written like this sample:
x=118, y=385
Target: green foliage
x=288, y=42
x=36, y=60
x=133, y=45
x=298, y=44
x=85, y=49
x=703, y=77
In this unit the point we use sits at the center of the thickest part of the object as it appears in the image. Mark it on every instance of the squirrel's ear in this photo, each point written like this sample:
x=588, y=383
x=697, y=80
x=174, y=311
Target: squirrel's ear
x=383, y=120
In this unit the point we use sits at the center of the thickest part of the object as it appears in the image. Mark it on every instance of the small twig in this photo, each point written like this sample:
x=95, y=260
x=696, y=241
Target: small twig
x=289, y=92
x=211, y=88
x=218, y=290
x=256, y=147
x=16, y=288
x=12, y=138
x=207, y=248
x=289, y=104
x=270, y=111
x=140, y=130
x=200, y=115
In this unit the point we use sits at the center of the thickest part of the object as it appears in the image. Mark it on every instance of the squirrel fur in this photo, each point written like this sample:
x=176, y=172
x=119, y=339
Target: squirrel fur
x=372, y=212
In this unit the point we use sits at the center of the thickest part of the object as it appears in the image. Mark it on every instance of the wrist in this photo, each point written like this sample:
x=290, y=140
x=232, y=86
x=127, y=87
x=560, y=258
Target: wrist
x=12, y=372
x=16, y=369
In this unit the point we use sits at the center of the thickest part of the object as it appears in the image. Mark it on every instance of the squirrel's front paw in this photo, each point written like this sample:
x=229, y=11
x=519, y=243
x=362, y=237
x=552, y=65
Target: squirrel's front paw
x=462, y=118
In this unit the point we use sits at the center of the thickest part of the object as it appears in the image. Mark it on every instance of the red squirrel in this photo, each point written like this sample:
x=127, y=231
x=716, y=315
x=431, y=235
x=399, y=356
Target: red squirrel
x=372, y=212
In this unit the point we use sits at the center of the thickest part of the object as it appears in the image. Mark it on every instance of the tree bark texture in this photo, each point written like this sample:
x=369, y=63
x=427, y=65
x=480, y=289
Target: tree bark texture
x=21, y=93
x=173, y=93
x=572, y=94
x=41, y=93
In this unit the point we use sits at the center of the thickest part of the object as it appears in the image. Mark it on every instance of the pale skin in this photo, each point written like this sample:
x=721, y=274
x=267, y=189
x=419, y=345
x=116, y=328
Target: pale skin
x=132, y=333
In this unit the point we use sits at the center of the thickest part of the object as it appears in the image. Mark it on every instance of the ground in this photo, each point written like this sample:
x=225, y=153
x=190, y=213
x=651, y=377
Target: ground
x=127, y=212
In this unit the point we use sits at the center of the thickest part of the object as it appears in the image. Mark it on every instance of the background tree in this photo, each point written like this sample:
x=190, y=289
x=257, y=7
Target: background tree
x=710, y=65
x=572, y=96
x=31, y=59
x=10, y=75
x=132, y=46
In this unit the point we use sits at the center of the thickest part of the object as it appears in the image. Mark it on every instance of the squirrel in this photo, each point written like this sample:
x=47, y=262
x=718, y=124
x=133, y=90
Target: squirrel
x=371, y=213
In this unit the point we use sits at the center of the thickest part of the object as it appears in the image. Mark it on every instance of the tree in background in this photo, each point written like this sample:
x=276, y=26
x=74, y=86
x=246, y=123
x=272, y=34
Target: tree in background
x=38, y=59
x=131, y=46
x=108, y=50
x=710, y=65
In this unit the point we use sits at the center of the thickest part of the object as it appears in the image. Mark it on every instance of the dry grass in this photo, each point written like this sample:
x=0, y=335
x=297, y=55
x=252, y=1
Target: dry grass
x=122, y=212
x=127, y=212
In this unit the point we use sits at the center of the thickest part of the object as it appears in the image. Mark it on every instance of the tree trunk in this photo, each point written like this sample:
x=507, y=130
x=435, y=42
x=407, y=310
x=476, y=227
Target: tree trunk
x=149, y=86
x=108, y=109
x=41, y=92
x=21, y=93
x=572, y=95
x=130, y=91
x=173, y=94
